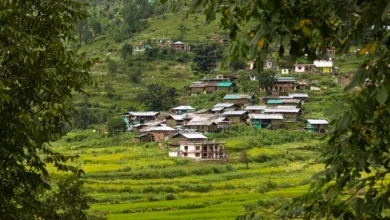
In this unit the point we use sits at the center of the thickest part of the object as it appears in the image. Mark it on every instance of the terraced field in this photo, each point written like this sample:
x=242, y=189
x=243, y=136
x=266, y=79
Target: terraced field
x=128, y=181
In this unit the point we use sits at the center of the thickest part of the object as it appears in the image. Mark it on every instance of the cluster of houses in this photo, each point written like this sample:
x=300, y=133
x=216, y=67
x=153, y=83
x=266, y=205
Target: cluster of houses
x=178, y=45
x=318, y=66
x=183, y=127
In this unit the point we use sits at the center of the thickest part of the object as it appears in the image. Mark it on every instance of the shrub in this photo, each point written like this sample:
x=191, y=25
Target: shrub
x=170, y=196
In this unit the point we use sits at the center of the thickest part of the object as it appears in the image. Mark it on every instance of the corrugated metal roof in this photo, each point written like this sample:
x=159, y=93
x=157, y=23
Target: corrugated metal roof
x=255, y=107
x=161, y=128
x=178, y=42
x=194, y=136
x=234, y=113
x=143, y=113
x=266, y=116
x=279, y=110
x=317, y=121
x=224, y=84
x=224, y=105
x=238, y=96
x=298, y=95
x=184, y=107
x=217, y=109
x=273, y=101
x=323, y=63
x=285, y=79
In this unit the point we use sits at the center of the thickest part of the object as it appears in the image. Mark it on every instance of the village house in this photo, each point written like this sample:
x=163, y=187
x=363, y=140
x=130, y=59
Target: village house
x=204, y=123
x=183, y=109
x=223, y=106
x=223, y=123
x=255, y=109
x=163, y=115
x=285, y=84
x=164, y=42
x=204, y=150
x=290, y=114
x=181, y=46
x=187, y=137
x=174, y=120
x=272, y=121
x=196, y=88
x=316, y=125
x=226, y=87
x=210, y=87
x=133, y=118
x=141, y=47
x=323, y=66
x=304, y=68
x=203, y=111
x=265, y=99
x=239, y=99
x=144, y=138
x=268, y=64
x=236, y=117
x=162, y=133
x=284, y=102
x=284, y=71
x=229, y=77
x=139, y=128
x=301, y=96
x=215, y=80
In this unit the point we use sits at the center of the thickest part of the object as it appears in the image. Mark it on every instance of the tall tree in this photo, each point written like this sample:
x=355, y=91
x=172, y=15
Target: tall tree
x=158, y=97
x=266, y=79
x=126, y=50
x=38, y=75
x=360, y=141
x=204, y=60
x=96, y=27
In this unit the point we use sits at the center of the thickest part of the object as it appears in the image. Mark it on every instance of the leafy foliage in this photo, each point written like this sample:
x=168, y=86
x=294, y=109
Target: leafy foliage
x=360, y=141
x=126, y=50
x=158, y=97
x=38, y=74
x=205, y=59
x=116, y=125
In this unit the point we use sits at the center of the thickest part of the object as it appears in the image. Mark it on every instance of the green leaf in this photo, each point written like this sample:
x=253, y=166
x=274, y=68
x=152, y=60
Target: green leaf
x=382, y=95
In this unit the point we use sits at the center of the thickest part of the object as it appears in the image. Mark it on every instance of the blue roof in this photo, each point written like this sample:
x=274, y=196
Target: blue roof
x=273, y=101
x=232, y=96
x=224, y=84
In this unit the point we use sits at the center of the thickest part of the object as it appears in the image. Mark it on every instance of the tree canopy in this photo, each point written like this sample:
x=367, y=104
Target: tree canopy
x=205, y=59
x=38, y=74
x=359, y=143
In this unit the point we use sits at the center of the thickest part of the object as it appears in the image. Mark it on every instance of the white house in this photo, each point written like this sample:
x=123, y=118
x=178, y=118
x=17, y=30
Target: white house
x=205, y=150
x=284, y=70
x=324, y=66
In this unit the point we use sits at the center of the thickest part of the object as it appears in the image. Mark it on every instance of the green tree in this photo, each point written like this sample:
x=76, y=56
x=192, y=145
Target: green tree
x=135, y=76
x=126, y=50
x=245, y=84
x=238, y=64
x=38, y=76
x=244, y=158
x=158, y=97
x=116, y=125
x=204, y=60
x=96, y=27
x=360, y=140
x=82, y=27
x=266, y=79
x=112, y=67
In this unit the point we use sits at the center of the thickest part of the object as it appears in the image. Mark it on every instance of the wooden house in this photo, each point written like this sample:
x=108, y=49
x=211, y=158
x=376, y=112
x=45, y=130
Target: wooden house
x=178, y=45
x=226, y=87
x=196, y=88
x=223, y=123
x=265, y=99
x=162, y=133
x=272, y=121
x=210, y=87
x=144, y=137
x=290, y=114
x=133, y=118
x=284, y=102
x=316, y=125
x=187, y=137
x=255, y=109
x=239, y=99
x=203, y=123
x=163, y=115
x=204, y=150
x=236, y=117
x=228, y=77
x=285, y=84
x=164, y=42
x=183, y=109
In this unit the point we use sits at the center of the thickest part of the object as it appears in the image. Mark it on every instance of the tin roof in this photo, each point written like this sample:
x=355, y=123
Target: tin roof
x=274, y=101
x=234, y=113
x=224, y=84
x=161, y=128
x=255, y=107
x=178, y=42
x=285, y=79
x=184, y=107
x=298, y=95
x=317, y=121
x=238, y=96
x=281, y=110
x=217, y=109
x=194, y=136
x=143, y=113
x=224, y=105
x=266, y=116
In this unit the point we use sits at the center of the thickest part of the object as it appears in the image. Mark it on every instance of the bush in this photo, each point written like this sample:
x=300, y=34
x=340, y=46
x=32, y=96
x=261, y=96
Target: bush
x=170, y=196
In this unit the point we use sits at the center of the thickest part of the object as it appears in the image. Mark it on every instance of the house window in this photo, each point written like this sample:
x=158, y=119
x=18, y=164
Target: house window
x=197, y=155
x=197, y=147
x=185, y=147
x=185, y=154
x=299, y=67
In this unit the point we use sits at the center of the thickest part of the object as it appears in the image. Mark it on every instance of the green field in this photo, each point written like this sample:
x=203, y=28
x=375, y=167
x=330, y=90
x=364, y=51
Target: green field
x=129, y=181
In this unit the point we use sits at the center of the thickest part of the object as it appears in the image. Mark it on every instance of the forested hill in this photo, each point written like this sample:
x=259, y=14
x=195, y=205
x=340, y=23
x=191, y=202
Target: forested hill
x=122, y=75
